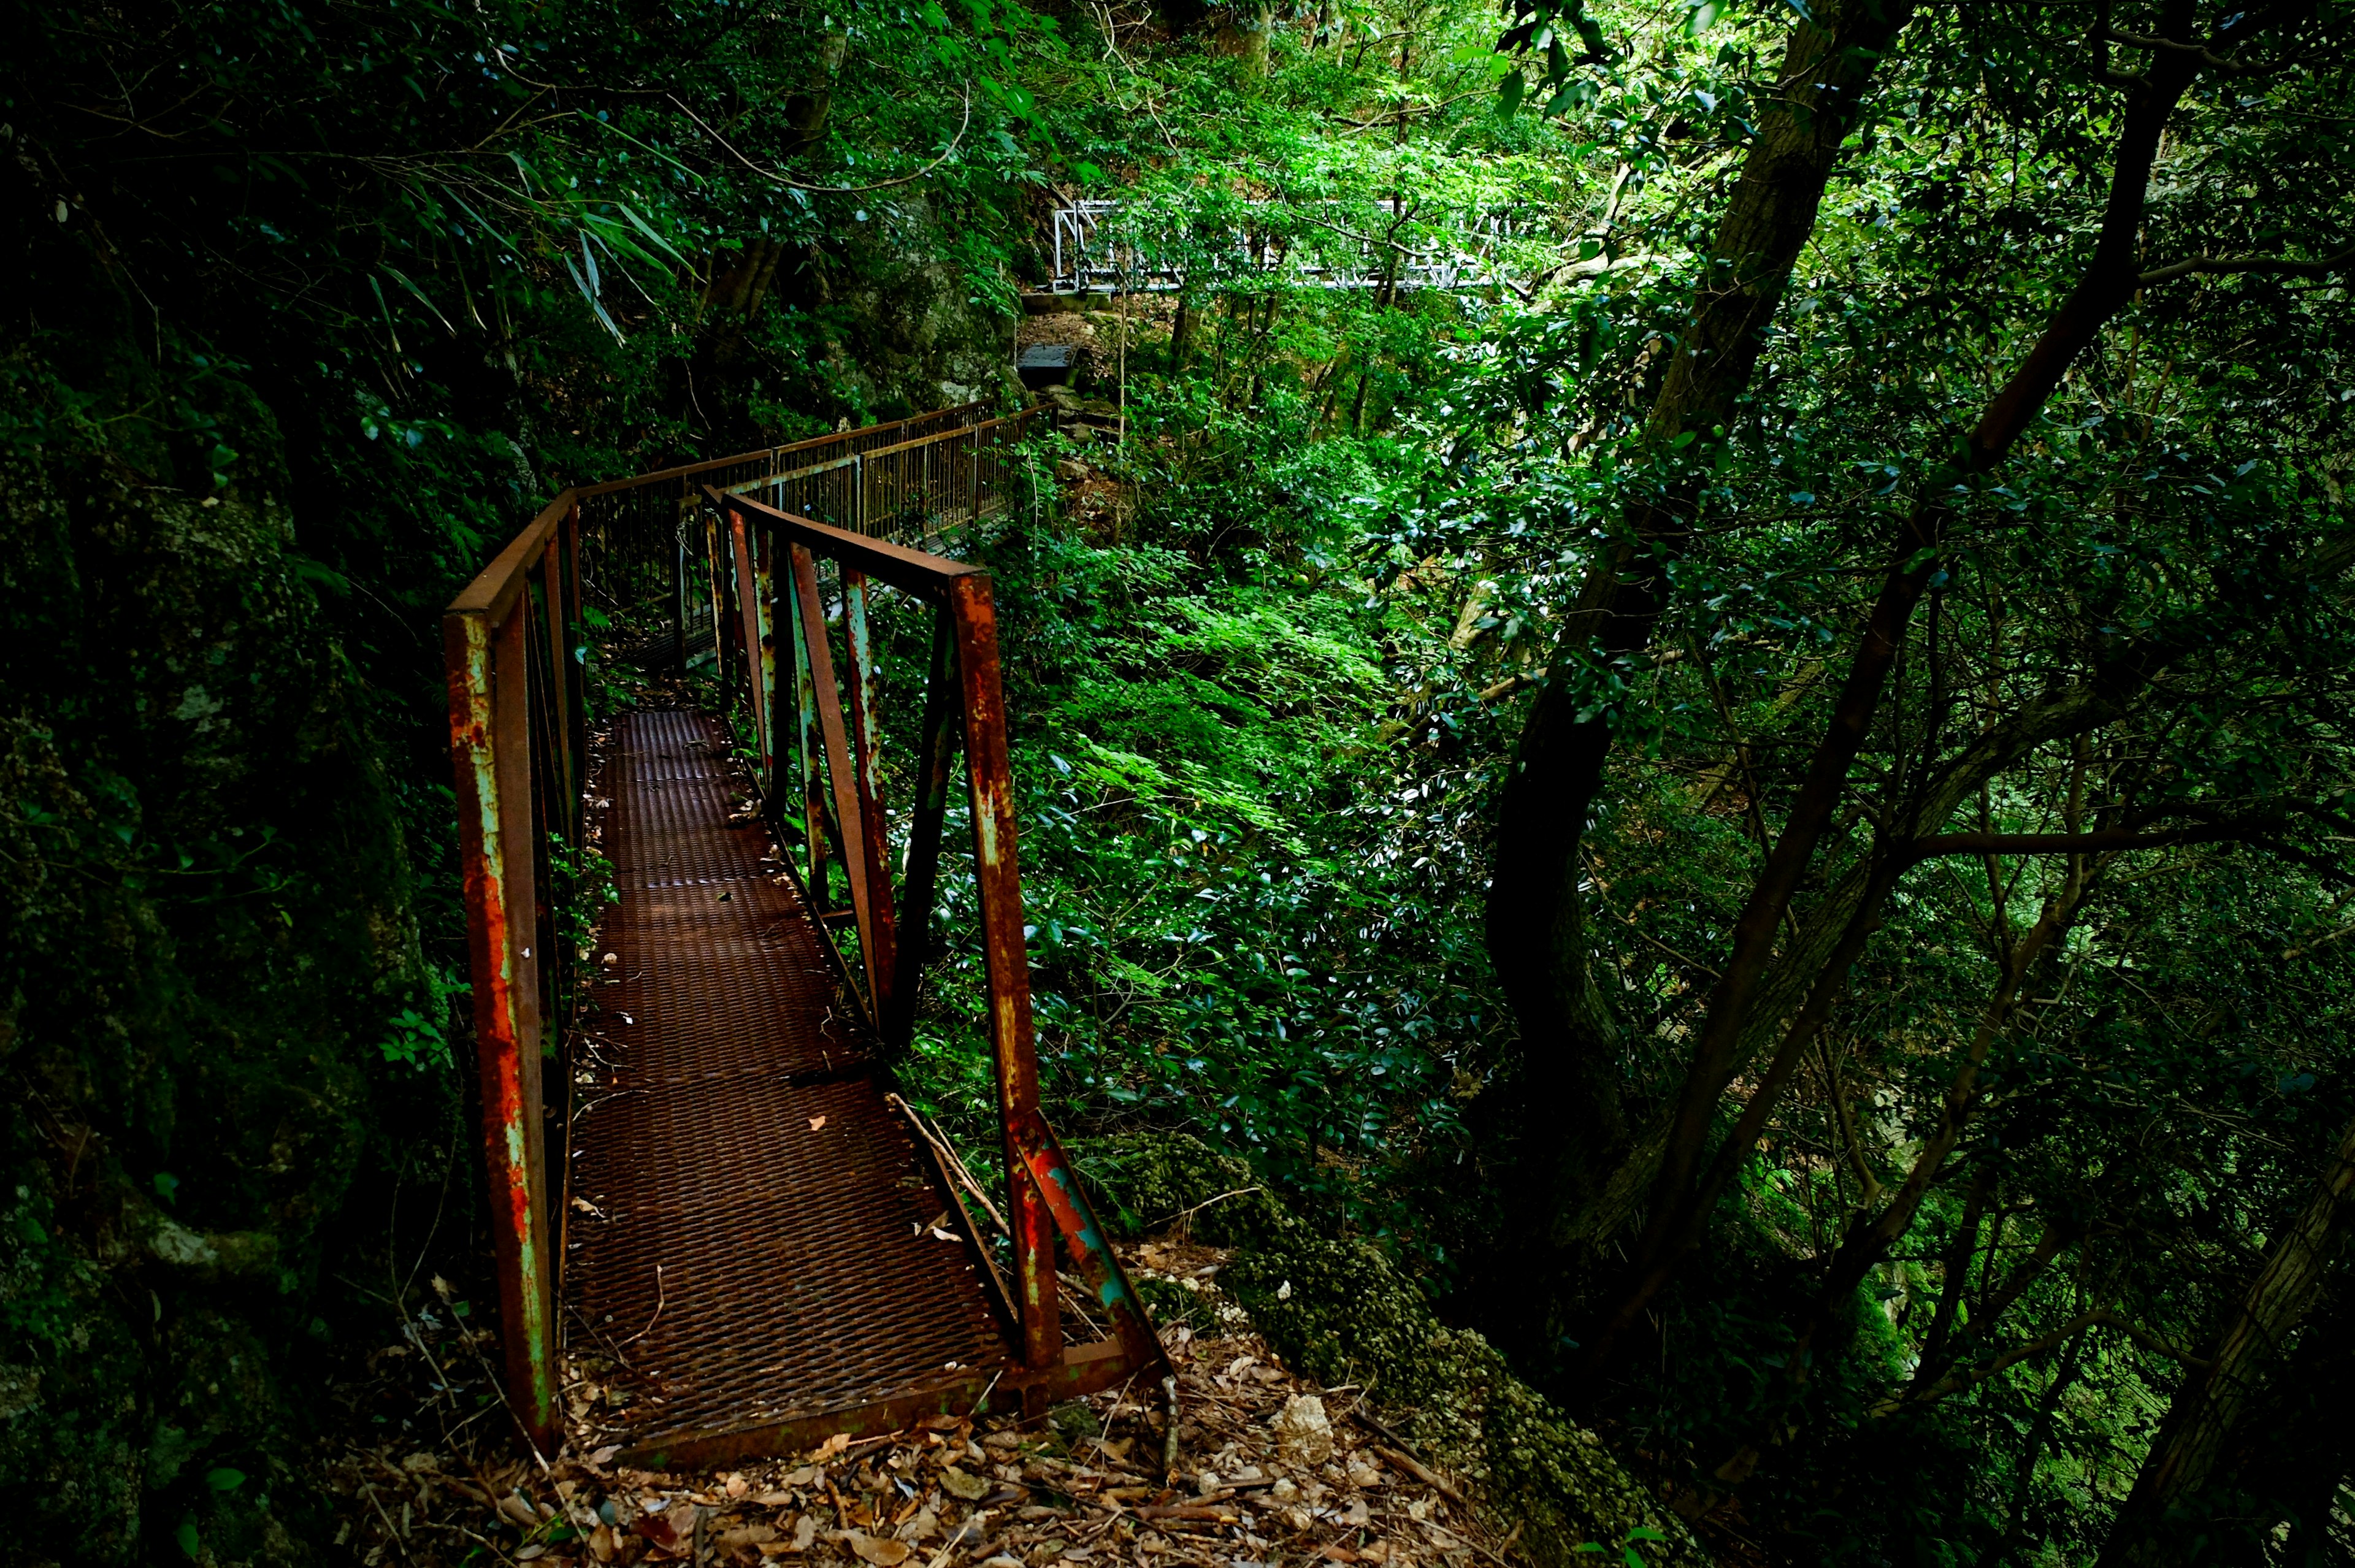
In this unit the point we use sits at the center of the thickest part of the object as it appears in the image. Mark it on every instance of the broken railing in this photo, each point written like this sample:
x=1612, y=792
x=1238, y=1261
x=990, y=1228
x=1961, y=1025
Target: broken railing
x=809, y=676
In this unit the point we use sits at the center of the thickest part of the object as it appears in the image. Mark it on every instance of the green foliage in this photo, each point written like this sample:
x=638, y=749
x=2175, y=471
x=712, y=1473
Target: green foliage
x=350, y=290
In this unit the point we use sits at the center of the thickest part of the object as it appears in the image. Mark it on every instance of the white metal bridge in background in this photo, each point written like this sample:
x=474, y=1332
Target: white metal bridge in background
x=1095, y=254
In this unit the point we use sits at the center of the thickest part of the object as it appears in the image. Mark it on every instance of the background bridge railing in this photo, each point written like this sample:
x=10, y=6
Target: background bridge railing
x=516, y=649
x=914, y=481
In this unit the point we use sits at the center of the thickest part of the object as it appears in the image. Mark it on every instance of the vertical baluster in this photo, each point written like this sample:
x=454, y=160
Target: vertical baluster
x=746, y=626
x=813, y=799
x=866, y=743
x=576, y=672
x=715, y=578
x=764, y=611
x=1008, y=960
x=553, y=597
x=838, y=761
x=920, y=869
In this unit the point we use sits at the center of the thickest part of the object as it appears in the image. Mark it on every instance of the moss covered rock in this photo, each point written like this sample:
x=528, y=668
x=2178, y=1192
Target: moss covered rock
x=1341, y=1310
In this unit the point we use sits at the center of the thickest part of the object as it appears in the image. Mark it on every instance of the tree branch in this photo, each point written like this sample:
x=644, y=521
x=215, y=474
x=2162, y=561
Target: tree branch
x=2108, y=838
x=2280, y=265
x=963, y=125
x=1957, y=1381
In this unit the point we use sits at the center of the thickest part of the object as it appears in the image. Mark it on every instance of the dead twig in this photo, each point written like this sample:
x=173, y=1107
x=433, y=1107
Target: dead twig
x=659, y=1300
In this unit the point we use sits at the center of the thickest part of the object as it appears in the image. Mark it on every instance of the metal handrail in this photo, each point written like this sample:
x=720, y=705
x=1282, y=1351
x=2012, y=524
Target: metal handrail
x=840, y=799
x=858, y=479
x=518, y=739
x=515, y=652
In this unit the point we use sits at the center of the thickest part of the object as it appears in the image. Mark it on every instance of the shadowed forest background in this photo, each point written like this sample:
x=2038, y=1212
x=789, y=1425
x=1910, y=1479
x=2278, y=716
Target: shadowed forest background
x=1761, y=801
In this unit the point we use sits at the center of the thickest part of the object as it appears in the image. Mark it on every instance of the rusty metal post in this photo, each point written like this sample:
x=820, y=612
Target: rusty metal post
x=576, y=671
x=865, y=743
x=838, y=761
x=1008, y=960
x=1058, y=1184
x=747, y=625
x=553, y=584
x=490, y=750
x=920, y=875
x=765, y=546
x=813, y=802
x=719, y=603
x=677, y=553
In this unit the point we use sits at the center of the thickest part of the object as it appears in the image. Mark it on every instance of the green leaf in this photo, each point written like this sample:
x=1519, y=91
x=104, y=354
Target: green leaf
x=393, y=331
x=224, y=1479
x=190, y=1543
x=646, y=229
x=401, y=278
x=1704, y=16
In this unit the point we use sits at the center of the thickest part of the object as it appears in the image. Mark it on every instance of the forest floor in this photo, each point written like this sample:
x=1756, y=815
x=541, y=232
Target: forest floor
x=1270, y=1468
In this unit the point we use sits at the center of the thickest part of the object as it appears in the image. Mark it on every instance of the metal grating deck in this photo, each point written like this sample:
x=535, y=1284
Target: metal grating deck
x=793, y=1280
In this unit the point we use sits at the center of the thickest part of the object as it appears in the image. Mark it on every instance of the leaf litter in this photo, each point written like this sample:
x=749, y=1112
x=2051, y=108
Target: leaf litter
x=1271, y=1470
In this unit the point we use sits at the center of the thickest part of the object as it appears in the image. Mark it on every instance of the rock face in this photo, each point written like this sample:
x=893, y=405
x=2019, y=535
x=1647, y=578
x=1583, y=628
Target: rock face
x=204, y=931
x=889, y=327
x=1341, y=1311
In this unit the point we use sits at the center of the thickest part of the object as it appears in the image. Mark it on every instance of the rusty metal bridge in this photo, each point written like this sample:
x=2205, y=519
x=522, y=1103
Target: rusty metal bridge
x=708, y=1201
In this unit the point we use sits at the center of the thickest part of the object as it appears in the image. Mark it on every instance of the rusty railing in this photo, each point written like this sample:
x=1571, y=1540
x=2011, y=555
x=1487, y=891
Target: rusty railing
x=816, y=726
x=915, y=481
x=516, y=649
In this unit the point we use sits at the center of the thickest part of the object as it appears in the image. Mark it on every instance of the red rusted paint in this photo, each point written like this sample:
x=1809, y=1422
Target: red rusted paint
x=505, y=1010
x=1004, y=955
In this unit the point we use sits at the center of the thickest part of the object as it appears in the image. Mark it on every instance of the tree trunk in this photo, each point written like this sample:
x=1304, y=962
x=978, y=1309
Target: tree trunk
x=1242, y=34
x=1536, y=923
x=806, y=111
x=1737, y=1001
x=2201, y=1423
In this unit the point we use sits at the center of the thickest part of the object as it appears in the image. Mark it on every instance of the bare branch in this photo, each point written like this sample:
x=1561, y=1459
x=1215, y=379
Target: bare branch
x=1957, y=1381
x=963, y=125
x=2108, y=838
x=2280, y=265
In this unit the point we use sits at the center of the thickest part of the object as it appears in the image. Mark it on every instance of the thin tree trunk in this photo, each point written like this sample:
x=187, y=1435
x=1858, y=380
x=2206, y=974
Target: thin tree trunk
x=2200, y=1424
x=1870, y=1237
x=2038, y=1434
x=2108, y=283
x=1241, y=33
x=1960, y=1249
x=1536, y=921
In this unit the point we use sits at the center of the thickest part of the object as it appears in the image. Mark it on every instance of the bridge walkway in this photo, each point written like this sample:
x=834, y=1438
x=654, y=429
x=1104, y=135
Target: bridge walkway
x=718, y=1232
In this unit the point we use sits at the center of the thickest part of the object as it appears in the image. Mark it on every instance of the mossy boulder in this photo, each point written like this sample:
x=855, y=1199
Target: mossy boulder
x=1341, y=1310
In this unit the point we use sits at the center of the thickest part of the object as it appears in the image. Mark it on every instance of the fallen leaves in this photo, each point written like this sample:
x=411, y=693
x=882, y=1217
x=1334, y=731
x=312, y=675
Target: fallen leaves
x=972, y=1489
x=882, y=1551
x=1086, y=1489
